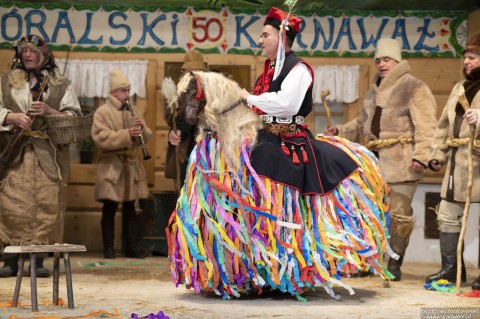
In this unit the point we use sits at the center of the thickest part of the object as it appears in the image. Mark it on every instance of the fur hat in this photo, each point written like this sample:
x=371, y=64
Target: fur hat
x=387, y=47
x=275, y=17
x=193, y=61
x=118, y=80
x=473, y=44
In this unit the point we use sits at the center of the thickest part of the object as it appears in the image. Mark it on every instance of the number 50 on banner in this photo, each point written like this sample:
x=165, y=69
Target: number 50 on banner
x=206, y=29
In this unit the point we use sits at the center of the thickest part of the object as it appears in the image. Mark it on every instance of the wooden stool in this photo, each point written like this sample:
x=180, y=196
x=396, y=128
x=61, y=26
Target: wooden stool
x=57, y=249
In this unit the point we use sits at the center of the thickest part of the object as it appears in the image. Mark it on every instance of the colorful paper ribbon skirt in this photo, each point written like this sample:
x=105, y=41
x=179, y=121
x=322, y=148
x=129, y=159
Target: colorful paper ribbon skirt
x=237, y=232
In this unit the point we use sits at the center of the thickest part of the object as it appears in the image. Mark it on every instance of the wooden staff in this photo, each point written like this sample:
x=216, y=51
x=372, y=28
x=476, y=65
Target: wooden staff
x=463, y=101
x=323, y=96
x=178, y=182
x=169, y=90
x=67, y=58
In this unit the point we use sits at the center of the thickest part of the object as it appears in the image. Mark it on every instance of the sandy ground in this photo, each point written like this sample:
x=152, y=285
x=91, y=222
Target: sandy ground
x=125, y=286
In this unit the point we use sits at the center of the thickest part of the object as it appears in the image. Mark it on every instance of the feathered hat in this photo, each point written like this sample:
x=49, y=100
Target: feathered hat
x=289, y=26
x=275, y=17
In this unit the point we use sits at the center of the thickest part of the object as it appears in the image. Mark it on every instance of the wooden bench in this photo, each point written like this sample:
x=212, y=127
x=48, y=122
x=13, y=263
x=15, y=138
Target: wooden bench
x=32, y=250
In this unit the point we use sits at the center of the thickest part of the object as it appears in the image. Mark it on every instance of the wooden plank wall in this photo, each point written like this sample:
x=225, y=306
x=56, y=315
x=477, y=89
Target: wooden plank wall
x=439, y=73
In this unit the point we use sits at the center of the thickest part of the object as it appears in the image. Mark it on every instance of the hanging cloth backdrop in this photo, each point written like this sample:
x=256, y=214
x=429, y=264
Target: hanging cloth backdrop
x=91, y=78
x=341, y=80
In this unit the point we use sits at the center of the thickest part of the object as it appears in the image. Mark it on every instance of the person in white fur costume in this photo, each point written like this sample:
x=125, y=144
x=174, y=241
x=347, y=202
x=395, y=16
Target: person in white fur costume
x=397, y=122
x=450, y=148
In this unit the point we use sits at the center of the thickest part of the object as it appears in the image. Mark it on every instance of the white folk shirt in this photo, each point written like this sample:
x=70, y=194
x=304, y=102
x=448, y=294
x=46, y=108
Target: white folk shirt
x=289, y=99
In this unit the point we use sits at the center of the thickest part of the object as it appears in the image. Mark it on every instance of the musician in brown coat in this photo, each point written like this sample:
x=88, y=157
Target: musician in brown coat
x=34, y=180
x=120, y=174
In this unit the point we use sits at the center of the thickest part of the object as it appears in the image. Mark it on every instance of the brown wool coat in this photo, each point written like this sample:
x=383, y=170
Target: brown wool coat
x=443, y=153
x=120, y=177
x=408, y=110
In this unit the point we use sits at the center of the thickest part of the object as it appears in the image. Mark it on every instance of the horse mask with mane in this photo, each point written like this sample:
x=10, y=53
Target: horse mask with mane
x=193, y=98
x=213, y=102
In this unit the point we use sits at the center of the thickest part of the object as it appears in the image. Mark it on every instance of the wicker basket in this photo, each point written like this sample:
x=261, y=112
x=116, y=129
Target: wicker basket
x=69, y=129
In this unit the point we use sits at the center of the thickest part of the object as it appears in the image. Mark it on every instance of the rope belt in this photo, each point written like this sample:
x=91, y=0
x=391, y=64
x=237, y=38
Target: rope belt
x=36, y=134
x=126, y=153
x=456, y=142
x=380, y=143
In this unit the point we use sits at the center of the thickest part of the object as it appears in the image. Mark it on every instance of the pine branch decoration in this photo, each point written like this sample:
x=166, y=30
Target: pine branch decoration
x=291, y=5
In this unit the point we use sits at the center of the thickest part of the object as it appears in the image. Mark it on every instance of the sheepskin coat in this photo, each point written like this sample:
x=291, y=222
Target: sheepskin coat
x=408, y=109
x=454, y=185
x=120, y=174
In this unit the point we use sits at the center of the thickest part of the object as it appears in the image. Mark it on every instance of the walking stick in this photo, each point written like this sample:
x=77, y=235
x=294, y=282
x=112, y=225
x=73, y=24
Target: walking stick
x=463, y=101
x=323, y=96
x=169, y=90
x=178, y=182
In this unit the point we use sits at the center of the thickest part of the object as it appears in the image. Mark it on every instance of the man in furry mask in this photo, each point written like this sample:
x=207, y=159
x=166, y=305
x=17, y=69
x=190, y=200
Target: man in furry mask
x=181, y=136
x=33, y=184
x=397, y=122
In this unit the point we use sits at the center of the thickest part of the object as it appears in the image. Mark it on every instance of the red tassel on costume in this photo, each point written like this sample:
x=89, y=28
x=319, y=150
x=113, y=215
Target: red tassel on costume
x=295, y=157
x=285, y=149
x=296, y=134
x=304, y=155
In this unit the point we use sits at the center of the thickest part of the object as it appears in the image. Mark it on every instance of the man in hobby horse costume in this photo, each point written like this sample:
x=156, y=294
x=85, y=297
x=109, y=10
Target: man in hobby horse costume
x=265, y=205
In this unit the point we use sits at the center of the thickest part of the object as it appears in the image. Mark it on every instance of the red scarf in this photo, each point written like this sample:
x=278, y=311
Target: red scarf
x=263, y=82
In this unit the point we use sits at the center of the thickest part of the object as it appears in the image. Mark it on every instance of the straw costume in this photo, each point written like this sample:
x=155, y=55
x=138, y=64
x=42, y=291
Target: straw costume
x=235, y=230
x=34, y=184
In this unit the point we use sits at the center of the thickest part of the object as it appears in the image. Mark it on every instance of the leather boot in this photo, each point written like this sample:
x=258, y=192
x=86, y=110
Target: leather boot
x=448, y=249
x=108, y=228
x=476, y=284
x=399, y=245
x=10, y=265
x=133, y=247
x=41, y=271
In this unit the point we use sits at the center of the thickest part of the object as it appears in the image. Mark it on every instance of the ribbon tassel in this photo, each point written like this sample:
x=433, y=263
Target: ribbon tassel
x=285, y=149
x=304, y=155
x=295, y=156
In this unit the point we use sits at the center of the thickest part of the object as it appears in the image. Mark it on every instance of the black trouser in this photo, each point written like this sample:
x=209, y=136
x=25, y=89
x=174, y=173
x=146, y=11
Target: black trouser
x=130, y=227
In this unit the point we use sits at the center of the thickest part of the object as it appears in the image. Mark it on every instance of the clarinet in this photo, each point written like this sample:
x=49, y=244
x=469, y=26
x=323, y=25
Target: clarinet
x=146, y=156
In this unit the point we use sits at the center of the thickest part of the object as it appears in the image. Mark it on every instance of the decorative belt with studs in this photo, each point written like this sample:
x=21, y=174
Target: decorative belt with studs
x=282, y=120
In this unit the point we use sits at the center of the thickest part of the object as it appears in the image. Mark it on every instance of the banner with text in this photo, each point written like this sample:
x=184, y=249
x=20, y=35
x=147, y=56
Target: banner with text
x=434, y=34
